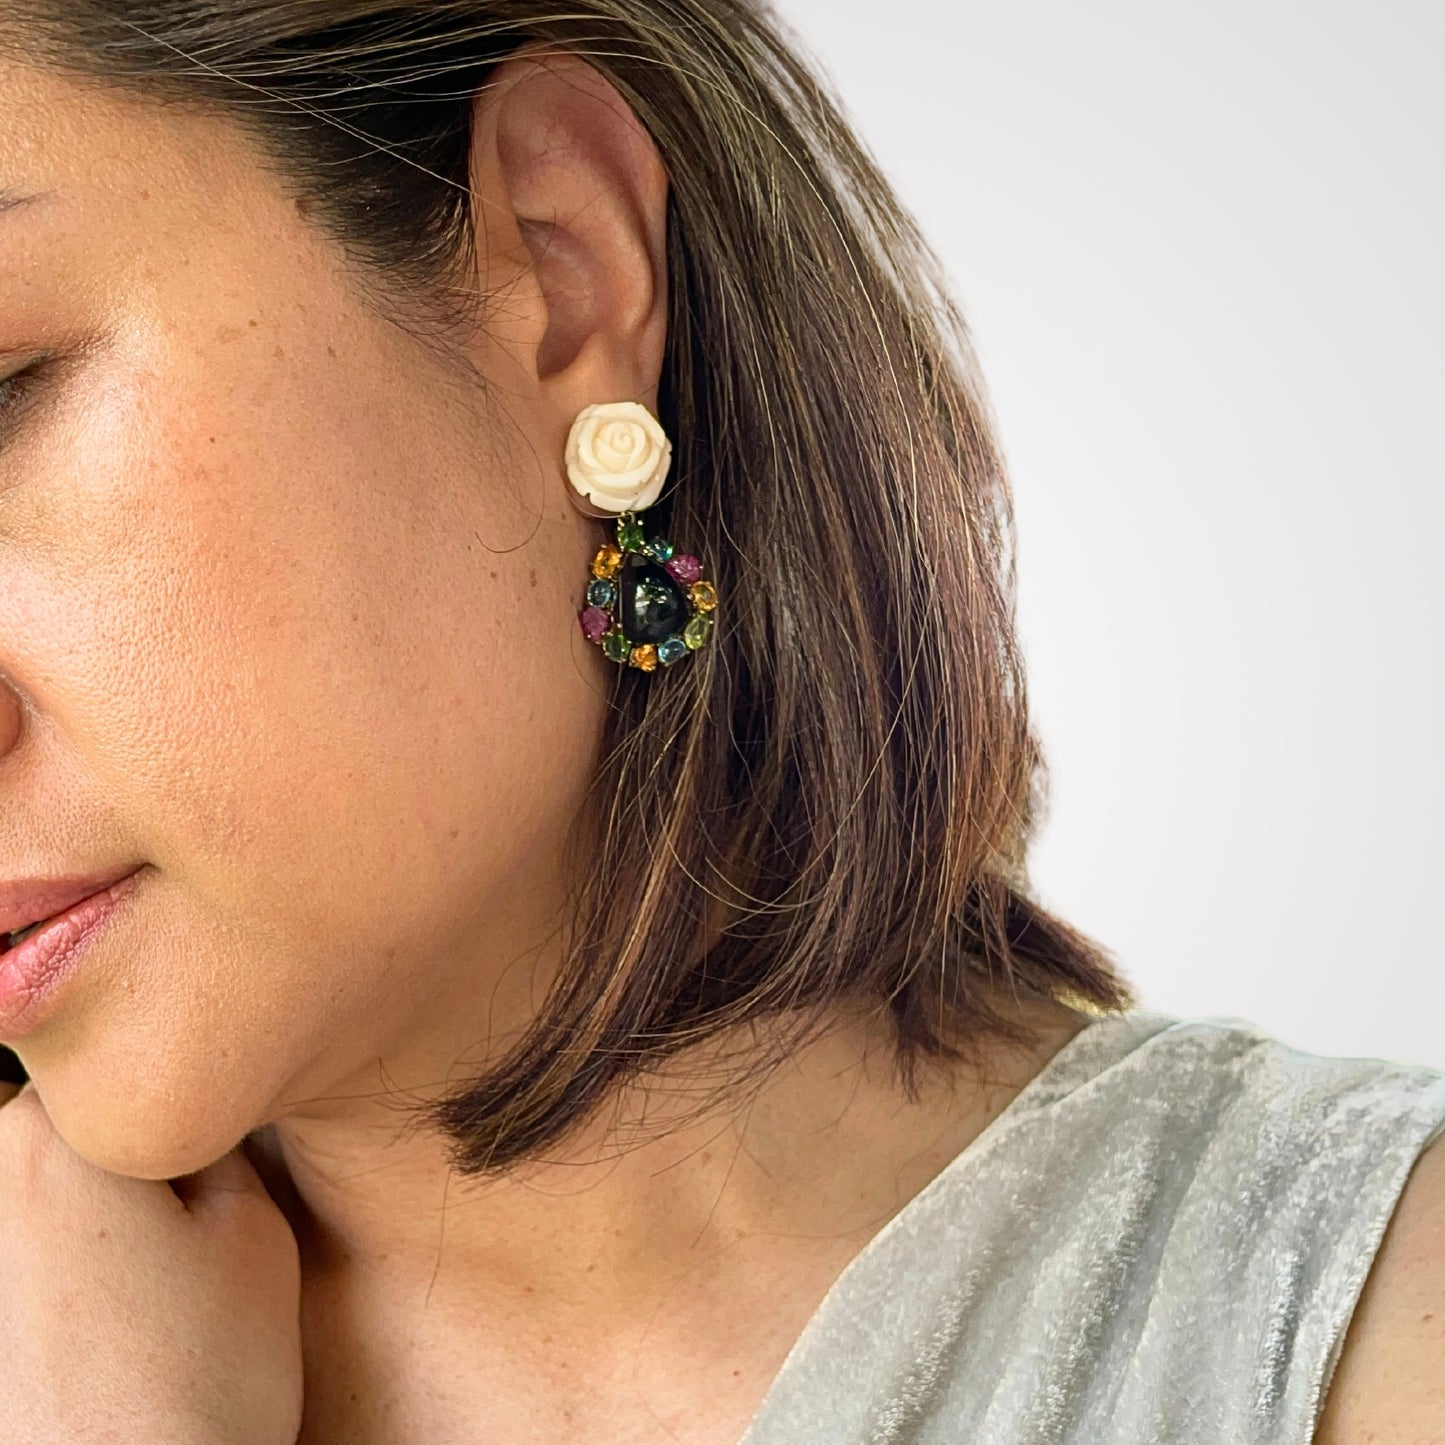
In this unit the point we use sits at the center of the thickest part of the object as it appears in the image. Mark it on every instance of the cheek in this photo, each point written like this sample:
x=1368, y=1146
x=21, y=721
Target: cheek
x=319, y=687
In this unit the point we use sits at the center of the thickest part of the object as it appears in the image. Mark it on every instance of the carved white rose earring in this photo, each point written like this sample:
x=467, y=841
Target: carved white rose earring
x=646, y=604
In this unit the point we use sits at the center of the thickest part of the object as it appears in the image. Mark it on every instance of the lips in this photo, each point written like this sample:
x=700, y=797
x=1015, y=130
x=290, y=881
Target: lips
x=27, y=903
x=34, y=973
x=19, y=935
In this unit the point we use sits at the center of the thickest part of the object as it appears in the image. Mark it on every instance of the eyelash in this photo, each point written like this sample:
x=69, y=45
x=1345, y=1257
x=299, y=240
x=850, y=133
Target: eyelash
x=15, y=389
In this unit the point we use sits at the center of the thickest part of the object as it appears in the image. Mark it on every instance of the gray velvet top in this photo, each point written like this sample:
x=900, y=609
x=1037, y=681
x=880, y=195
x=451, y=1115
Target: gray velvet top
x=1159, y=1242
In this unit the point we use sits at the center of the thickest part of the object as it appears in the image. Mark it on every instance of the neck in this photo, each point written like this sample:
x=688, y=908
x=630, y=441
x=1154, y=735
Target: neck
x=828, y=1147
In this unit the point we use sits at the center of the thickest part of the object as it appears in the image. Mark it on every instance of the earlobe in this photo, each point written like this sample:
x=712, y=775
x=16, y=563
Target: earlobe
x=587, y=191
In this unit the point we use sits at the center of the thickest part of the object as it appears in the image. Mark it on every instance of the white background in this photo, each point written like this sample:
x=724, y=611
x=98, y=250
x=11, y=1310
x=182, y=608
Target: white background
x=1200, y=247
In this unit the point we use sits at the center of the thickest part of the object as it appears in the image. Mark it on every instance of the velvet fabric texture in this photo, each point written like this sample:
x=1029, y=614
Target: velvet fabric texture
x=1159, y=1242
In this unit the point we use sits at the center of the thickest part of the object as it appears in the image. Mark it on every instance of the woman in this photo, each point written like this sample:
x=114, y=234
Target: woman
x=512, y=714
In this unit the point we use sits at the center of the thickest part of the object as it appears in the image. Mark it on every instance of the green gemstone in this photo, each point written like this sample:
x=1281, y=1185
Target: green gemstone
x=652, y=604
x=616, y=646
x=630, y=535
x=699, y=625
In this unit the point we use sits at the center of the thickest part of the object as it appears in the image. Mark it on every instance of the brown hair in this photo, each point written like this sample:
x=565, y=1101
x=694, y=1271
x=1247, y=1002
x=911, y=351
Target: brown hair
x=848, y=771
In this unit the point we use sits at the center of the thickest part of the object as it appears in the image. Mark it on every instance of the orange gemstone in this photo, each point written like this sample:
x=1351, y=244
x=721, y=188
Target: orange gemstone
x=704, y=596
x=607, y=561
x=644, y=657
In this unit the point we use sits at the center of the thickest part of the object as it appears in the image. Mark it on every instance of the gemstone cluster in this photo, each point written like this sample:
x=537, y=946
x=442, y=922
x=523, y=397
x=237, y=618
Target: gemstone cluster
x=647, y=605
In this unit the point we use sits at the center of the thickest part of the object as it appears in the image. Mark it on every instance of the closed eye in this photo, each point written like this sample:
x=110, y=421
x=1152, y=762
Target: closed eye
x=15, y=391
x=17, y=384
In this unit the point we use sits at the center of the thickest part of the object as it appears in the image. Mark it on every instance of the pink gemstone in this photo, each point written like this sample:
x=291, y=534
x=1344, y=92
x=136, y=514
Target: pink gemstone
x=685, y=568
x=595, y=621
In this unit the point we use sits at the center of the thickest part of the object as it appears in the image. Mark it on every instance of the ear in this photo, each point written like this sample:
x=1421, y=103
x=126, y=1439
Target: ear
x=570, y=198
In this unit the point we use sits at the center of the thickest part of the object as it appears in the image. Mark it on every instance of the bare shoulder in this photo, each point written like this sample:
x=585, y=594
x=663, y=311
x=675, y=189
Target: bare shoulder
x=1389, y=1385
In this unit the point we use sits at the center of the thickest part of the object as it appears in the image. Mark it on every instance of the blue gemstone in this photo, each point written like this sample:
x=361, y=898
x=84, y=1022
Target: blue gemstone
x=660, y=549
x=600, y=593
x=671, y=649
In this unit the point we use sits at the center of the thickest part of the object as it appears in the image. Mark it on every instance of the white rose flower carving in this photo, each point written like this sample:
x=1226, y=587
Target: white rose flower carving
x=618, y=456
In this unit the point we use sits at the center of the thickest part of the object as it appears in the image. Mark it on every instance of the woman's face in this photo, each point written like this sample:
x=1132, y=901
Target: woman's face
x=288, y=618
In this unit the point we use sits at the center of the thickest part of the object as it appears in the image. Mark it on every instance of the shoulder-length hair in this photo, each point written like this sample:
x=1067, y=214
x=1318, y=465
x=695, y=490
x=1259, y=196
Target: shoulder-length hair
x=831, y=804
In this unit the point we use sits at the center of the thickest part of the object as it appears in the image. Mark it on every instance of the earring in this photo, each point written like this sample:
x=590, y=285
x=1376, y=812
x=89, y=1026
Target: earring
x=647, y=605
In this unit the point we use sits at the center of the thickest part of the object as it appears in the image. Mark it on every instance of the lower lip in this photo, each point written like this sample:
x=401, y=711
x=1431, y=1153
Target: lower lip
x=31, y=973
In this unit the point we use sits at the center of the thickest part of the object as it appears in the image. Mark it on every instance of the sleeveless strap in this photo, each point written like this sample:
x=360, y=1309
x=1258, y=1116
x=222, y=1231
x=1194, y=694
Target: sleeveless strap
x=1160, y=1241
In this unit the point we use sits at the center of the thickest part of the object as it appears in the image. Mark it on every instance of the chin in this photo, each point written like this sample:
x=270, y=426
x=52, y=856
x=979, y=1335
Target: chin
x=145, y=1137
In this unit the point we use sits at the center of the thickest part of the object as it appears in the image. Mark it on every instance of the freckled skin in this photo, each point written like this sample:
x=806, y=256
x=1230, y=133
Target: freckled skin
x=287, y=614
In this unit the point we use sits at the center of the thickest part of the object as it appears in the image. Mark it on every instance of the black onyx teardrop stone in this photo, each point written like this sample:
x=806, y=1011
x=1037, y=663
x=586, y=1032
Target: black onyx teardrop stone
x=653, y=605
